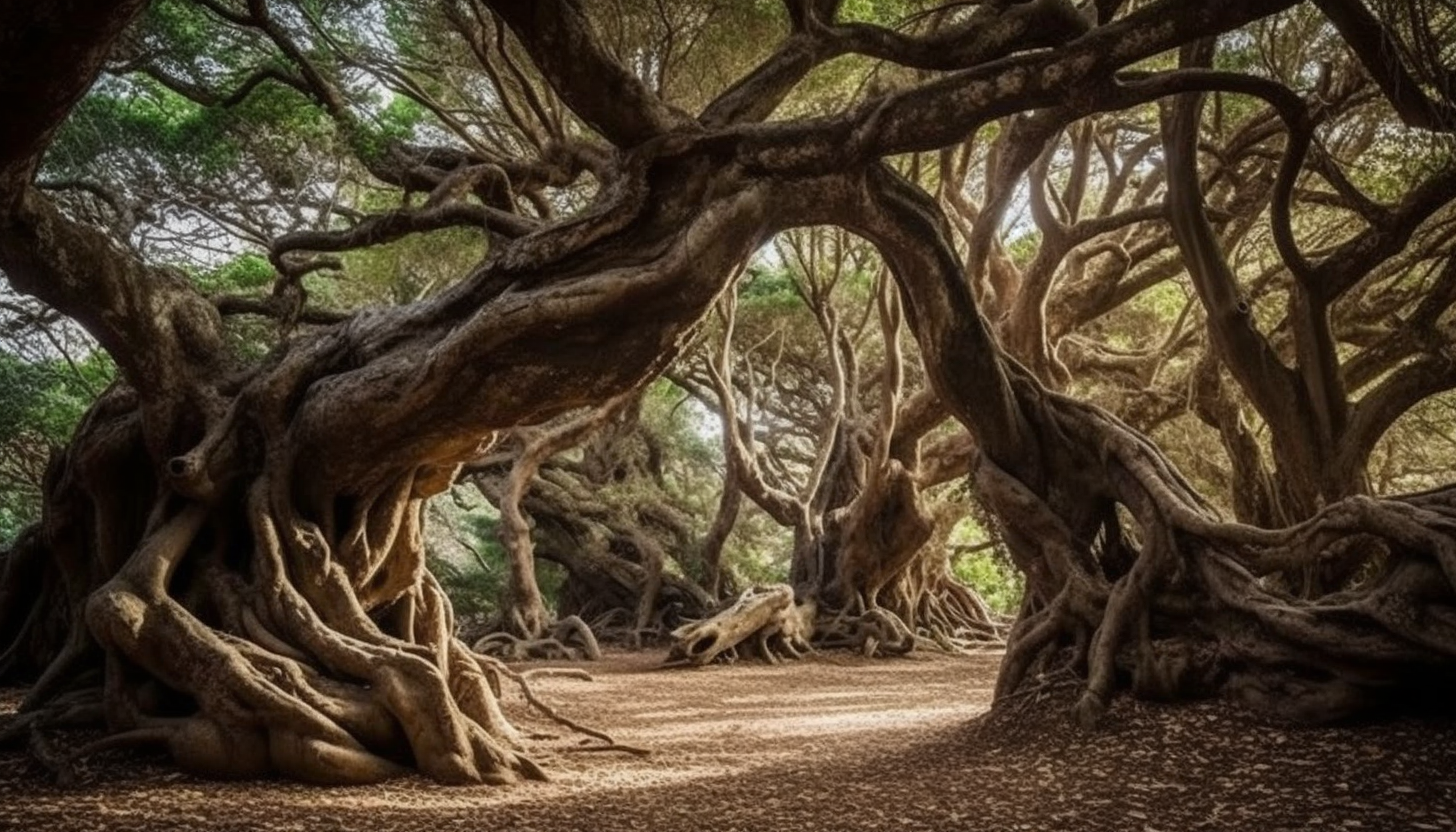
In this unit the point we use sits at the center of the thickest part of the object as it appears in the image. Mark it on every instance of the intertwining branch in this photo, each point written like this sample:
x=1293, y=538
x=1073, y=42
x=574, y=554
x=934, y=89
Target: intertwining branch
x=235, y=544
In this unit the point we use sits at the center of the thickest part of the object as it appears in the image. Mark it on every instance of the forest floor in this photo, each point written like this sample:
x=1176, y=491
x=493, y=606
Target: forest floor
x=832, y=743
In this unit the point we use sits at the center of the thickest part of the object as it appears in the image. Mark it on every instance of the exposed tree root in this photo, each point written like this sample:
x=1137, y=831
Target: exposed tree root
x=330, y=658
x=522, y=681
x=1180, y=603
x=872, y=632
x=570, y=638
x=562, y=672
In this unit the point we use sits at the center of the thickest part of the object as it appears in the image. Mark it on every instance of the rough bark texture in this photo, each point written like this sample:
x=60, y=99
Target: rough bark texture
x=1169, y=600
x=237, y=550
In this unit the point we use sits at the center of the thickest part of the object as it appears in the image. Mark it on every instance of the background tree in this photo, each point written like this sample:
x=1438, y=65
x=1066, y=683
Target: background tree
x=824, y=432
x=617, y=517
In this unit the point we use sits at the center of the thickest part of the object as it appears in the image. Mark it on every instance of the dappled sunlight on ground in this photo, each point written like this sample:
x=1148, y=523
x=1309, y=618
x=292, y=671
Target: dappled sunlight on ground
x=833, y=743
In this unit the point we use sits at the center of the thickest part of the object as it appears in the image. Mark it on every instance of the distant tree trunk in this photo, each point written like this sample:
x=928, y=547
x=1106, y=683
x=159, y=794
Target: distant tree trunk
x=730, y=504
x=860, y=556
x=523, y=615
x=613, y=551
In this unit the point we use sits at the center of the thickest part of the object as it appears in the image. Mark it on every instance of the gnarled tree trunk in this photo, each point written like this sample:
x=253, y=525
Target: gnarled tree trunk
x=1173, y=604
x=613, y=546
x=238, y=545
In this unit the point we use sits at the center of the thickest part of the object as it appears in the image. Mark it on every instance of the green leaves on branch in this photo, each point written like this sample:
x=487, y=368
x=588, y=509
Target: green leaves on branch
x=41, y=404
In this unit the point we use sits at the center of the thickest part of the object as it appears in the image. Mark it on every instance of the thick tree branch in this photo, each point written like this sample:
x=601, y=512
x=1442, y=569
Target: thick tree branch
x=379, y=229
x=1387, y=401
x=208, y=98
x=1349, y=262
x=944, y=111
x=277, y=307
x=993, y=31
x=910, y=231
x=143, y=316
x=1380, y=53
x=1248, y=354
x=598, y=89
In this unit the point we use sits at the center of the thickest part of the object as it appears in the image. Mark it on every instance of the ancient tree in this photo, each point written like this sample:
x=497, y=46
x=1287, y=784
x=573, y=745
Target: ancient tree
x=232, y=541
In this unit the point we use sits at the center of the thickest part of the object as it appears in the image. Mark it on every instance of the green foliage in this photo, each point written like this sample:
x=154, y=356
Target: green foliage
x=1022, y=248
x=39, y=410
x=1147, y=317
x=756, y=559
x=769, y=289
x=240, y=274
x=879, y=12
x=472, y=590
x=998, y=583
x=171, y=124
x=1163, y=301
x=471, y=567
x=758, y=549
x=399, y=119
x=23, y=384
x=987, y=570
x=140, y=115
x=688, y=432
x=549, y=579
x=15, y=514
x=49, y=398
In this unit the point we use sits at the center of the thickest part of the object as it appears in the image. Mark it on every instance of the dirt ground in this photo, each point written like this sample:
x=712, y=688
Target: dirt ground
x=833, y=743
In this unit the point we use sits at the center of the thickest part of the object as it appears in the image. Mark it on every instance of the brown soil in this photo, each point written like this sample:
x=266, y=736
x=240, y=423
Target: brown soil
x=832, y=743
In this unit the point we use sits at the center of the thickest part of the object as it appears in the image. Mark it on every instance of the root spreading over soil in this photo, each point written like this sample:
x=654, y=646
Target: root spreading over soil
x=831, y=743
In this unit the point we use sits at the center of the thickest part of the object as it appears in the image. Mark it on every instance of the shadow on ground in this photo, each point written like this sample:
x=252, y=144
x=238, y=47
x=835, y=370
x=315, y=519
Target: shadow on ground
x=834, y=743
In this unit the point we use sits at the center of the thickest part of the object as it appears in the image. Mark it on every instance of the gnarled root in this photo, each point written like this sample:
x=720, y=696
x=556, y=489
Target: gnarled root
x=873, y=632
x=319, y=662
x=316, y=692
x=1171, y=602
x=569, y=638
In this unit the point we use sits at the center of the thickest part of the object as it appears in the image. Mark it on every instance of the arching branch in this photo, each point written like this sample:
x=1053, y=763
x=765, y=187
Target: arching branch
x=597, y=88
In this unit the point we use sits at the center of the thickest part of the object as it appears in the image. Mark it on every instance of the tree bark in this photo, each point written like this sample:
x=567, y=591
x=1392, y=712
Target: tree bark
x=238, y=548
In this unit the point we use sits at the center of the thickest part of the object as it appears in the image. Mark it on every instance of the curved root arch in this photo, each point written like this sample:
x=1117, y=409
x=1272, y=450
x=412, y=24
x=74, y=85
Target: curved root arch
x=569, y=638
